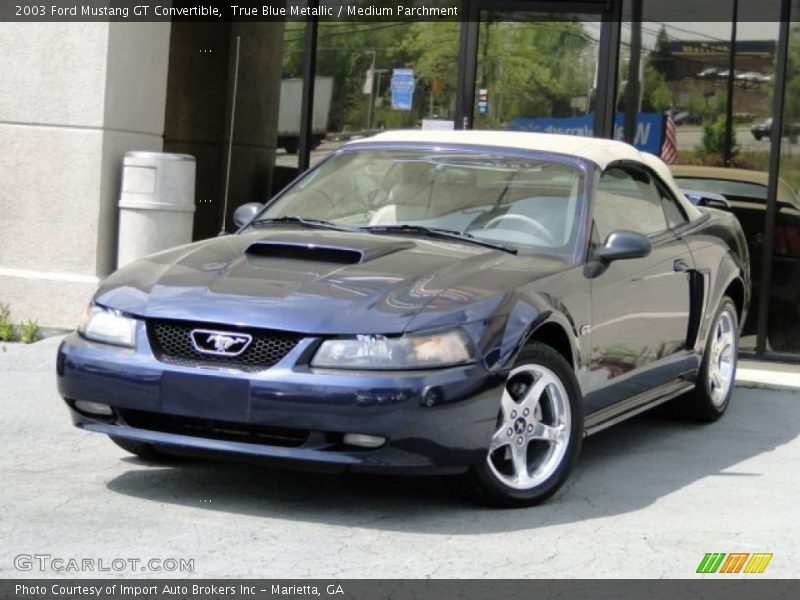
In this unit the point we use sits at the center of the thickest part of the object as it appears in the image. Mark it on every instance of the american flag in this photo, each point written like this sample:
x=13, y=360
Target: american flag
x=669, y=149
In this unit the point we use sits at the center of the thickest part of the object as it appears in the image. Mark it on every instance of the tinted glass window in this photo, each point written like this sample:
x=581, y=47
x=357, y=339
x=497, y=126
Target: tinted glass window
x=628, y=200
x=674, y=213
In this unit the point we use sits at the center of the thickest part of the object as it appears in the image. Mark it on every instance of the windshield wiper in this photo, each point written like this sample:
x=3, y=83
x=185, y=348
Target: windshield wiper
x=313, y=223
x=449, y=234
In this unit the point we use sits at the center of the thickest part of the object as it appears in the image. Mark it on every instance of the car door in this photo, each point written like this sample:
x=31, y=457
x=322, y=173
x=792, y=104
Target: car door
x=640, y=306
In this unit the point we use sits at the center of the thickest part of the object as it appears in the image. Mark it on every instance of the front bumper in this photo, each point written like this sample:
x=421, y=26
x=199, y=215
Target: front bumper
x=434, y=421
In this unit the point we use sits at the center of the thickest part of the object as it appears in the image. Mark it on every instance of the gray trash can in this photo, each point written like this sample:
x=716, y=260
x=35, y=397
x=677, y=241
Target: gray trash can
x=156, y=207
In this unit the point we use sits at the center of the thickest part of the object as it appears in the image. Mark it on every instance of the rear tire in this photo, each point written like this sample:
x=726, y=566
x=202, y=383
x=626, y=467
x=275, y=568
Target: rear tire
x=715, y=381
x=538, y=435
x=148, y=452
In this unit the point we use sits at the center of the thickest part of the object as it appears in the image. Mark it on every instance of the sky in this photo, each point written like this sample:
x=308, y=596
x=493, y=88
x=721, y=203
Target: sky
x=708, y=31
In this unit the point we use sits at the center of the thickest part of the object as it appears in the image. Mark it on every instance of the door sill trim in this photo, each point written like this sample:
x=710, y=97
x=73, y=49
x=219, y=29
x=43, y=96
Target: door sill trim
x=616, y=413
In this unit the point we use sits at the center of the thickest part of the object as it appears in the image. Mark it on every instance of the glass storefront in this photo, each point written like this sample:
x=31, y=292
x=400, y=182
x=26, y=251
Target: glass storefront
x=783, y=293
x=532, y=67
x=372, y=77
x=702, y=95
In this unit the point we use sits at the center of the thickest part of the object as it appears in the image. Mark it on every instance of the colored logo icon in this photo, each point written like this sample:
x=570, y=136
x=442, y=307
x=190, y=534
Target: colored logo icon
x=734, y=562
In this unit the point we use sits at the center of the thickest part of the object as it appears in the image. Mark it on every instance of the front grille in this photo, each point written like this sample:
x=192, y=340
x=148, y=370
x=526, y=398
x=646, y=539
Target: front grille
x=172, y=343
x=215, y=430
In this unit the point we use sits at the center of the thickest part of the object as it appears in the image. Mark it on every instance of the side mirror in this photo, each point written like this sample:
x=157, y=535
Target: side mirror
x=246, y=212
x=624, y=244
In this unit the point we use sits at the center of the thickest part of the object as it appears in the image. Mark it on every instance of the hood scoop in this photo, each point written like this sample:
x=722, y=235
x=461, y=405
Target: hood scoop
x=323, y=253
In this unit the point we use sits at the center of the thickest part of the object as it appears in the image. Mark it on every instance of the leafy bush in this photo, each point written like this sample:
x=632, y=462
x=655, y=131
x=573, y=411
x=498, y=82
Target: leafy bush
x=713, y=141
x=6, y=326
x=29, y=331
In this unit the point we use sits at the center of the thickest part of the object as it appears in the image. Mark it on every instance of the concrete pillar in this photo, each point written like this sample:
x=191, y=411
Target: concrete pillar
x=74, y=97
x=199, y=96
x=195, y=111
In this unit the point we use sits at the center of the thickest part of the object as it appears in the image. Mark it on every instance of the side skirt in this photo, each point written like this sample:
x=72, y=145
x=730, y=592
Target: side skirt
x=611, y=415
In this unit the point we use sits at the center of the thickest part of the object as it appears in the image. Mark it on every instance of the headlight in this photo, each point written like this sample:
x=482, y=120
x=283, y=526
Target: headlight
x=108, y=326
x=407, y=352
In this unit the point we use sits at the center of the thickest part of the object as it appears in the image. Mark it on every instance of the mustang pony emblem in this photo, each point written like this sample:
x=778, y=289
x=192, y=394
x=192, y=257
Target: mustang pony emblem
x=220, y=343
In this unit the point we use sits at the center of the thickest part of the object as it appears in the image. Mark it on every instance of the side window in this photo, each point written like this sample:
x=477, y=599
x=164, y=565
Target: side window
x=675, y=215
x=628, y=199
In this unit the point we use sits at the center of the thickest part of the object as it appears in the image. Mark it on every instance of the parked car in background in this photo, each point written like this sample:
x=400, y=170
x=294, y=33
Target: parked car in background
x=764, y=130
x=746, y=193
x=708, y=73
x=470, y=303
x=687, y=118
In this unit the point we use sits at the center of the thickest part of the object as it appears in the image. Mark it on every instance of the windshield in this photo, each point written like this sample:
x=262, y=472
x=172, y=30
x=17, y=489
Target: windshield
x=524, y=203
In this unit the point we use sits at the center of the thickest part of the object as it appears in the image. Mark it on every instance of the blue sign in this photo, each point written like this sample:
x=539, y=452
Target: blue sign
x=402, y=86
x=648, y=137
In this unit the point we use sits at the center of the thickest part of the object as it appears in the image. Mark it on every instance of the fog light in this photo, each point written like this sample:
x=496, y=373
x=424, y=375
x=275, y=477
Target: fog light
x=432, y=396
x=94, y=408
x=363, y=440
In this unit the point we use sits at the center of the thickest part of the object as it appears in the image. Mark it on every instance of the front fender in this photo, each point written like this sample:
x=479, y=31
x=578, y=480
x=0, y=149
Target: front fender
x=526, y=317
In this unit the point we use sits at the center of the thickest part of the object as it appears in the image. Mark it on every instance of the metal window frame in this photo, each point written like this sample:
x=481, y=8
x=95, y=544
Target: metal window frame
x=609, y=13
x=778, y=106
x=309, y=79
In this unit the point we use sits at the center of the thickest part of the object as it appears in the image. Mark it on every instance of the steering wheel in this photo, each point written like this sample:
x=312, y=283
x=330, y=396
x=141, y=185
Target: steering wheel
x=541, y=230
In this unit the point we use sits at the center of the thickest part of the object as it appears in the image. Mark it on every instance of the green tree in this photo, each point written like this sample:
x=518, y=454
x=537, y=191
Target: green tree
x=656, y=96
x=712, y=144
x=792, y=96
x=433, y=48
x=345, y=52
x=661, y=58
x=533, y=69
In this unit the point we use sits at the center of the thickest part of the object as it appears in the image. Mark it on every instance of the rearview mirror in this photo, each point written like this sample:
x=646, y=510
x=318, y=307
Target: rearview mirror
x=624, y=244
x=246, y=212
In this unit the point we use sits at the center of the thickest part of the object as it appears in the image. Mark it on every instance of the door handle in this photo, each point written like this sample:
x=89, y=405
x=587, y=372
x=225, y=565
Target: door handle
x=680, y=265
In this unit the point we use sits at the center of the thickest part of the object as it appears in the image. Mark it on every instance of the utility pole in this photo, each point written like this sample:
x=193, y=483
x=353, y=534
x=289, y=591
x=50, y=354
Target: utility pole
x=633, y=87
x=371, y=79
x=728, y=150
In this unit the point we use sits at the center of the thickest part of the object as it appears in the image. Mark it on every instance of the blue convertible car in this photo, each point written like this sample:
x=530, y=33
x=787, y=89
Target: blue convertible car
x=461, y=303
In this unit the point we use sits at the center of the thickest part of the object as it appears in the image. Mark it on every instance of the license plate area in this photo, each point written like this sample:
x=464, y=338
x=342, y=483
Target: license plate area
x=205, y=396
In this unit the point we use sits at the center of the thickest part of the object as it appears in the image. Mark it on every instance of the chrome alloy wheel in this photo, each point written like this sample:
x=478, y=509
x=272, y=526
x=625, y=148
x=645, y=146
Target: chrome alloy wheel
x=722, y=358
x=533, y=428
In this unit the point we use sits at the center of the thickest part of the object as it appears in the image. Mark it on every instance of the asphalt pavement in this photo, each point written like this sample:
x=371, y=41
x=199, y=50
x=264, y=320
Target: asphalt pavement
x=648, y=499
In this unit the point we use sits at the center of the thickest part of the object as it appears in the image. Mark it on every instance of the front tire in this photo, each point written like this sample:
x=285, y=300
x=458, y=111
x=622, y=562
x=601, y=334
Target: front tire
x=538, y=435
x=715, y=382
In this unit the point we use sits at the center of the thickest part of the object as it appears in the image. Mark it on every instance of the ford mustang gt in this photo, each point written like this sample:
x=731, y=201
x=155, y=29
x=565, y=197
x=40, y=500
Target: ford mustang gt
x=463, y=303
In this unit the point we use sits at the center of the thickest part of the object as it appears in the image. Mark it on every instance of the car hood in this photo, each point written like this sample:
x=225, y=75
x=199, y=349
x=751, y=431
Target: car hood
x=323, y=282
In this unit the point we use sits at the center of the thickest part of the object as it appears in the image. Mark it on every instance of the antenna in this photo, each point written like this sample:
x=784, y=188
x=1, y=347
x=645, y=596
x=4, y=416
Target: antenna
x=230, y=138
